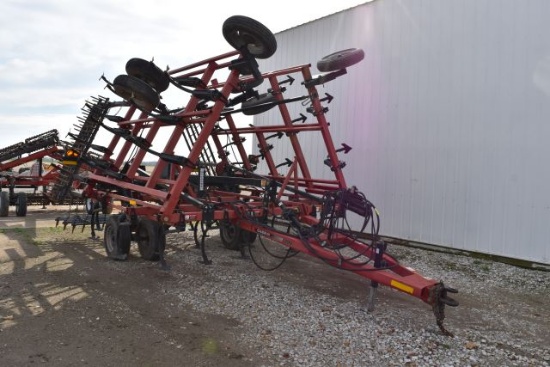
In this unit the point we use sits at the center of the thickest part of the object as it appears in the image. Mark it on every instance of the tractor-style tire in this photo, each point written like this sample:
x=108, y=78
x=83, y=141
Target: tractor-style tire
x=149, y=73
x=233, y=236
x=136, y=91
x=4, y=203
x=230, y=235
x=248, y=237
x=340, y=60
x=21, y=205
x=247, y=34
x=255, y=106
x=117, y=238
x=150, y=239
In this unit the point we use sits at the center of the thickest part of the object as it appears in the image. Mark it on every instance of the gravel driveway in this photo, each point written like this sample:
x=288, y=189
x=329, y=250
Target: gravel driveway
x=63, y=303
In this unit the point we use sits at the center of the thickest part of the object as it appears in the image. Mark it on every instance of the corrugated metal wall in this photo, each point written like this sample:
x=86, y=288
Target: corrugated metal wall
x=448, y=117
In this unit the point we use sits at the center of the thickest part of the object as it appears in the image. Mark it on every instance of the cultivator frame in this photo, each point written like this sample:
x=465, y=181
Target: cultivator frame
x=206, y=187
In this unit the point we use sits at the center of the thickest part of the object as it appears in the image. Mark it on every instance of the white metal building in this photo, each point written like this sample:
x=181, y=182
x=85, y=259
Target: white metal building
x=448, y=116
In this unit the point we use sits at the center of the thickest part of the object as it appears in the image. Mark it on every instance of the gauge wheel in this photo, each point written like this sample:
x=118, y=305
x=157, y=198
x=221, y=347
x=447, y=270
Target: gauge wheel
x=230, y=234
x=340, y=60
x=244, y=86
x=21, y=205
x=4, y=203
x=137, y=92
x=117, y=238
x=149, y=73
x=246, y=34
x=149, y=239
x=263, y=103
x=248, y=237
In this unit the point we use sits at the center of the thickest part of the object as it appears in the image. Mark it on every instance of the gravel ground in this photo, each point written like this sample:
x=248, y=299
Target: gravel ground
x=63, y=302
x=308, y=314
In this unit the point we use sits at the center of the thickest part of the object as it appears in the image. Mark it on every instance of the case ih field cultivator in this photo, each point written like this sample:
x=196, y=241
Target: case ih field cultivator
x=268, y=216
x=28, y=182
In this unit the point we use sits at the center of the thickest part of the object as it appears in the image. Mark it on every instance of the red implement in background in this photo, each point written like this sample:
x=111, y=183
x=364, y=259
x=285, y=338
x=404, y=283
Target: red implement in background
x=23, y=172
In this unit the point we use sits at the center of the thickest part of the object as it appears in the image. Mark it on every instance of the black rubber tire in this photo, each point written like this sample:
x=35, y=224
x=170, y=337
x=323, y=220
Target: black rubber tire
x=136, y=91
x=230, y=235
x=4, y=203
x=248, y=237
x=247, y=86
x=244, y=33
x=149, y=73
x=149, y=239
x=340, y=60
x=254, y=106
x=21, y=204
x=117, y=238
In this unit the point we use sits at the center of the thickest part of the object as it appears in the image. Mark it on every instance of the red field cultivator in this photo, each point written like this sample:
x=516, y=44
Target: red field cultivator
x=198, y=185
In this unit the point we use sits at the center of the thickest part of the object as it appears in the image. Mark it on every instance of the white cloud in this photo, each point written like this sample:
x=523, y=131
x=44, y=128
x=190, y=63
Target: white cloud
x=54, y=51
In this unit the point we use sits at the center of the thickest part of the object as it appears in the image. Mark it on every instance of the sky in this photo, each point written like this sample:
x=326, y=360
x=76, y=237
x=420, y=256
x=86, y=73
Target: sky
x=53, y=52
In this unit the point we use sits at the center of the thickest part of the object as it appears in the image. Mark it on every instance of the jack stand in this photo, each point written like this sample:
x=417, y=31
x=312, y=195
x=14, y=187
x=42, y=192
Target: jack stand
x=371, y=297
x=378, y=263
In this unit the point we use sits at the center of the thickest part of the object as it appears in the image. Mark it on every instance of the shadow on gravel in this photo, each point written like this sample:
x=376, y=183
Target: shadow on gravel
x=63, y=302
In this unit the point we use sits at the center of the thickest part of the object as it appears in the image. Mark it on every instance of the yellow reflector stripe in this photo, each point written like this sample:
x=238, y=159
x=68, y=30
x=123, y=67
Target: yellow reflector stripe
x=69, y=163
x=133, y=203
x=402, y=287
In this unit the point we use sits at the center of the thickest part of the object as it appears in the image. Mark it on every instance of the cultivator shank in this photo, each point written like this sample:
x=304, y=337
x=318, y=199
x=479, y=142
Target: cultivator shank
x=204, y=178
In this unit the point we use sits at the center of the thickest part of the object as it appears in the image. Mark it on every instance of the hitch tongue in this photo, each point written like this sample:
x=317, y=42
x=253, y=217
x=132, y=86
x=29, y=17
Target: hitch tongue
x=438, y=299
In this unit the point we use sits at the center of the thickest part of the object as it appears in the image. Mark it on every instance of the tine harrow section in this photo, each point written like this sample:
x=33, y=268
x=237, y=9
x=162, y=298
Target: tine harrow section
x=93, y=114
x=42, y=141
x=204, y=177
